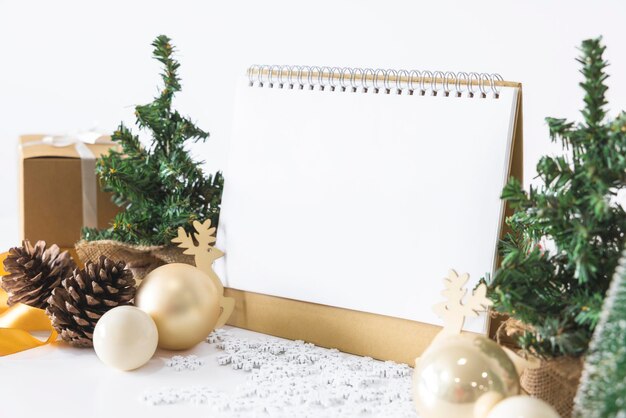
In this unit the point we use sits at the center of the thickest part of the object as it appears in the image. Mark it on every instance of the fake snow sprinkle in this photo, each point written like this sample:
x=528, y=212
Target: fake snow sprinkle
x=180, y=363
x=298, y=379
x=217, y=336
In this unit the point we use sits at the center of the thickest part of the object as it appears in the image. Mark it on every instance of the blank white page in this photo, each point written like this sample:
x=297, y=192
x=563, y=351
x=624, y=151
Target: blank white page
x=362, y=200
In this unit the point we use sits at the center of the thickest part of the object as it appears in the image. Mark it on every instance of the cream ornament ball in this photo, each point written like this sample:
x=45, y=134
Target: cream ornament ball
x=485, y=403
x=463, y=375
x=125, y=338
x=522, y=407
x=183, y=302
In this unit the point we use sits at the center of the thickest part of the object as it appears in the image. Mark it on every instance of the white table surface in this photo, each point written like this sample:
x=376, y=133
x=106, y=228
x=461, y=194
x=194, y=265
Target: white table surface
x=57, y=380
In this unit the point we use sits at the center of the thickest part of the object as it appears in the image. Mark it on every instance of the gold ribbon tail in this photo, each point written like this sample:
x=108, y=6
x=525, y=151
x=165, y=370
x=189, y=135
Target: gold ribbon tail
x=16, y=323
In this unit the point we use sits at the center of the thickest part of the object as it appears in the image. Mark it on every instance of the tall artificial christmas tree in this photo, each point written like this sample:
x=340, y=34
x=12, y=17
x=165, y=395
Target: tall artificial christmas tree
x=565, y=240
x=602, y=391
x=557, y=293
x=160, y=187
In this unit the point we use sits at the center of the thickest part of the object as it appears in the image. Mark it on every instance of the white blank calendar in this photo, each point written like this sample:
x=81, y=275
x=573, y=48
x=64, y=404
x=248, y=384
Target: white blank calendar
x=354, y=189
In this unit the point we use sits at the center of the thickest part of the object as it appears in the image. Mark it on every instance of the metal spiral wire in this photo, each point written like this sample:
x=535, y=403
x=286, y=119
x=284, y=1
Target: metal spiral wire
x=411, y=82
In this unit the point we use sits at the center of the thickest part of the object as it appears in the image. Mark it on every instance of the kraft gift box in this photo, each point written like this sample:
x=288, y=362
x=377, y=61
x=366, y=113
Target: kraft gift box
x=59, y=191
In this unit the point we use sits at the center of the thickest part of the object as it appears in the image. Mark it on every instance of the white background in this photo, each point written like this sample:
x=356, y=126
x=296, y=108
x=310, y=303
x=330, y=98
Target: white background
x=71, y=65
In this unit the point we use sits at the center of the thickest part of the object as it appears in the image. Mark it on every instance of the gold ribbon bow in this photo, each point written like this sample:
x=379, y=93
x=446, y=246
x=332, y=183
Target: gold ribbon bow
x=18, y=321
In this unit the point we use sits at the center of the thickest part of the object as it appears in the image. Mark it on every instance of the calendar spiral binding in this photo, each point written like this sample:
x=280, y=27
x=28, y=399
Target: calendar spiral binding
x=365, y=80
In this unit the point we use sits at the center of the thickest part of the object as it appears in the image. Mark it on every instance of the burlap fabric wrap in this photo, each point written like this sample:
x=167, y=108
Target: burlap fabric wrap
x=553, y=380
x=140, y=259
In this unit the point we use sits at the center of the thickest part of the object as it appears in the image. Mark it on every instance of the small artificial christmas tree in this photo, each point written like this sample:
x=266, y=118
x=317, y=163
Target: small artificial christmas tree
x=602, y=392
x=160, y=187
x=557, y=295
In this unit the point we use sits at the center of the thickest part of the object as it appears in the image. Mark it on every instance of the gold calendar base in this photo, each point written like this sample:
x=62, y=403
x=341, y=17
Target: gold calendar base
x=362, y=333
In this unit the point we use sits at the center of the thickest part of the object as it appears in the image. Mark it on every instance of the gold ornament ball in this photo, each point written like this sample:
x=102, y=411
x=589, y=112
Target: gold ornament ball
x=461, y=376
x=183, y=302
x=523, y=407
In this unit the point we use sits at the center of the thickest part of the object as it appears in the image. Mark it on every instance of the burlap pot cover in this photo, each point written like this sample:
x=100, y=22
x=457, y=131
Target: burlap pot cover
x=555, y=381
x=140, y=259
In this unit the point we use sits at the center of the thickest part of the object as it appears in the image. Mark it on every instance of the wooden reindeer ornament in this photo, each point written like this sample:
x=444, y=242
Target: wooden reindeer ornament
x=205, y=254
x=462, y=374
x=457, y=306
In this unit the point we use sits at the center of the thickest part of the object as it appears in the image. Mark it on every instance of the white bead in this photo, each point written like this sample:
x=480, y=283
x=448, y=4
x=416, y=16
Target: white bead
x=522, y=407
x=125, y=338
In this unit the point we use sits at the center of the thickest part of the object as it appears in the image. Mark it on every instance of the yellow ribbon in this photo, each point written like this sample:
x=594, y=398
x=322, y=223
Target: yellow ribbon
x=18, y=321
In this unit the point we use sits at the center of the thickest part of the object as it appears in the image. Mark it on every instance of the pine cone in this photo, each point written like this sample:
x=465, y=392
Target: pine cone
x=34, y=272
x=86, y=295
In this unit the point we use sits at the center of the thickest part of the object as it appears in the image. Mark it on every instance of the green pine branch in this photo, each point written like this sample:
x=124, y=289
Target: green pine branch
x=558, y=292
x=160, y=187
